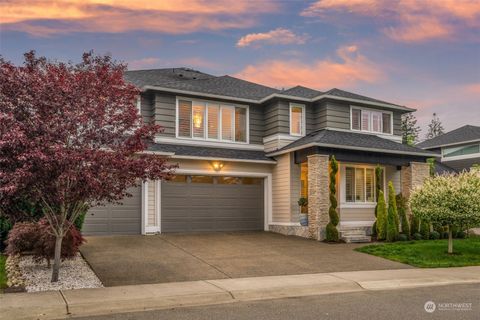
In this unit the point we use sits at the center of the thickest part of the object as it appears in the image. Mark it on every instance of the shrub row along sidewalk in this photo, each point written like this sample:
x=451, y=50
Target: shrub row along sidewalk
x=89, y=302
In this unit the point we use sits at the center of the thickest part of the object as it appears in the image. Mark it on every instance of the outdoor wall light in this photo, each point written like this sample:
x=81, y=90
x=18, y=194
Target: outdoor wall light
x=217, y=165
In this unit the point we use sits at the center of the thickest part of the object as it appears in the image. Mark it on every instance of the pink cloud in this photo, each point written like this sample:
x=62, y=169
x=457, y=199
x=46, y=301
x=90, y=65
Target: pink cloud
x=473, y=88
x=351, y=67
x=177, y=17
x=407, y=20
x=277, y=36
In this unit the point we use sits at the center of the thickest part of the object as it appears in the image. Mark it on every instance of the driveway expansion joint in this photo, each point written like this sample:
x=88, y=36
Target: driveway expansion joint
x=227, y=291
x=196, y=257
x=65, y=300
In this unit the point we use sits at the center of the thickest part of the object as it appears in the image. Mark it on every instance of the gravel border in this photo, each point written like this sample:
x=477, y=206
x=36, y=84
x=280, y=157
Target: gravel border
x=74, y=274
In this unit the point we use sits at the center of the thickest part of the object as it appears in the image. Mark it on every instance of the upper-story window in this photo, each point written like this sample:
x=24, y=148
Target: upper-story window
x=461, y=151
x=297, y=119
x=211, y=121
x=371, y=120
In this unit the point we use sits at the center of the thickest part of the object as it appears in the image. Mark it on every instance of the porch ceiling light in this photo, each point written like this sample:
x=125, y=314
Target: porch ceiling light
x=217, y=165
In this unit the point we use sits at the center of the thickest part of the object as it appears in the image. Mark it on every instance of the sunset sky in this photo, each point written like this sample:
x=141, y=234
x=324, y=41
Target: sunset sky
x=421, y=53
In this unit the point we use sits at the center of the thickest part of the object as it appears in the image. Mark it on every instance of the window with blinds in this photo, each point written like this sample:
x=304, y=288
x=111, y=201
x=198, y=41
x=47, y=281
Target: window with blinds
x=371, y=121
x=359, y=185
x=184, y=118
x=211, y=121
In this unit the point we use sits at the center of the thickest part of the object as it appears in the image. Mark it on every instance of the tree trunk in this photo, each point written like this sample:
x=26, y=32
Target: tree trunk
x=56, y=261
x=450, y=240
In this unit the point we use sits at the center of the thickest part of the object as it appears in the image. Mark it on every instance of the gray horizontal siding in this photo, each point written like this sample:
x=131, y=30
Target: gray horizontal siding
x=276, y=118
x=256, y=124
x=165, y=109
x=146, y=107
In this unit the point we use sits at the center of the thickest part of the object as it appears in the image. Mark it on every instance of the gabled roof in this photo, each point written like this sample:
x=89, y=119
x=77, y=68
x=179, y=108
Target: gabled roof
x=188, y=81
x=351, y=141
x=461, y=135
x=351, y=95
x=304, y=92
x=192, y=152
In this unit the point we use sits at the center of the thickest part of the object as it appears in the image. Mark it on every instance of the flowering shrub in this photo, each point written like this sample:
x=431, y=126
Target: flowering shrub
x=449, y=200
x=37, y=238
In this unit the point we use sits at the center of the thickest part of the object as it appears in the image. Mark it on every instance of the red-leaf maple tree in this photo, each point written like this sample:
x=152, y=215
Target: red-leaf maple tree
x=71, y=137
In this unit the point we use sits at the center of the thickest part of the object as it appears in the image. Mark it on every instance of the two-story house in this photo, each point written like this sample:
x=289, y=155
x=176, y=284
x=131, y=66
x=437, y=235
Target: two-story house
x=458, y=149
x=247, y=152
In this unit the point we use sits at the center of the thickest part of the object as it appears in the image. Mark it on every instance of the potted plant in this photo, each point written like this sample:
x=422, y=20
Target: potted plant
x=303, y=203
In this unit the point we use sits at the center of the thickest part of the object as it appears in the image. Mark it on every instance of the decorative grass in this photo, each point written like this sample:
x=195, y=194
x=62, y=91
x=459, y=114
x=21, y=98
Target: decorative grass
x=3, y=273
x=429, y=253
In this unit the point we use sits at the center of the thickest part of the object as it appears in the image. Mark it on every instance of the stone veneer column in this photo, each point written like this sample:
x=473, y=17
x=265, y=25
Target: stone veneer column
x=412, y=176
x=318, y=195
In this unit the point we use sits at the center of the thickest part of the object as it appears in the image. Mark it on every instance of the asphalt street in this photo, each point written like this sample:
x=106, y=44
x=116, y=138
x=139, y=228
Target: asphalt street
x=443, y=302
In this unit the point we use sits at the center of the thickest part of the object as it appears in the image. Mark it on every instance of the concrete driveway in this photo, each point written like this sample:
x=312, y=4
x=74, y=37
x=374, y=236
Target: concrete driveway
x=126, y=260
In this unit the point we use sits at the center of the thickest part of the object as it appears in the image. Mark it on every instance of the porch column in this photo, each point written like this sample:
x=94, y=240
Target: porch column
x=412, y=176
x=318, y=199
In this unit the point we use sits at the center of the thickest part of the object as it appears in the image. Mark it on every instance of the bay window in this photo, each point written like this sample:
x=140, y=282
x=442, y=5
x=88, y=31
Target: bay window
x=211, y=121
x=371, y=120
x=359, y=184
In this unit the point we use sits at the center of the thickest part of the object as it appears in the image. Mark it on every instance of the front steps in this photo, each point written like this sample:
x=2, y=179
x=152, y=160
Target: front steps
x=354, y=235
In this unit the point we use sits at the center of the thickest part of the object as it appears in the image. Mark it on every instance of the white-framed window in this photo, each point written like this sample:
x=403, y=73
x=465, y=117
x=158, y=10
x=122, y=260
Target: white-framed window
x=207, y=120
x=370, y=120
x=297, y=119
x=463, y=151
x=359, y=184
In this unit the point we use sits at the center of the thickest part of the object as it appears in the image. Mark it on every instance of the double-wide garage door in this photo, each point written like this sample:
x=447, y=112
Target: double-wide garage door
x=207, y=203
x=115, y=219
x=189, y=203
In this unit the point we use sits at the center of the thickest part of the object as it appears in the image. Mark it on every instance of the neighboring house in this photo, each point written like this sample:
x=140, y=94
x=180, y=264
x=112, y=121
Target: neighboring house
x=247, y=152
x=458, y=149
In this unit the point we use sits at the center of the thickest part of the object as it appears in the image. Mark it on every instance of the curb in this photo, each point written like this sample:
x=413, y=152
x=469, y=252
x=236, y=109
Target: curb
x=111, y=300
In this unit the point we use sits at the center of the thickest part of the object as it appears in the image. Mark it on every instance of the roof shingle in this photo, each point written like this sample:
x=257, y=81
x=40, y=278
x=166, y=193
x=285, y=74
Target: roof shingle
x=457, y=136
x=353, y=141
x=207, y=152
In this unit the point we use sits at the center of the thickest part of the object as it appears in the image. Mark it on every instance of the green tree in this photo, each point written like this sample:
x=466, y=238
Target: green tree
x=402, y=213
x=381, y=211
x=431, y=164
x=449, y=200
x=378, y=188
x=435, y=128
x=392, y=214
x=332, y=232
x=410, y=130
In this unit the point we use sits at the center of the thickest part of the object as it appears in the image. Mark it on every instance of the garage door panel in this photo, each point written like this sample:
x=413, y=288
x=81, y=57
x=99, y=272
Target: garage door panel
x=199, y=207
x=122, y=218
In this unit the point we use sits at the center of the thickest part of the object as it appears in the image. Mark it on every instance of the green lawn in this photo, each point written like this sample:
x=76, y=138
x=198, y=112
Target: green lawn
x=429, y=253
x=3, y=275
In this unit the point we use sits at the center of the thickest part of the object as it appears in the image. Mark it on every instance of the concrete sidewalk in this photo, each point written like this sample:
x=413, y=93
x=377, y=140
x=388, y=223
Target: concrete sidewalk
x=89, y=302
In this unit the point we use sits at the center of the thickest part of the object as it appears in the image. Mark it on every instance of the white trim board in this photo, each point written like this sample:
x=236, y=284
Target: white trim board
x=207, y=143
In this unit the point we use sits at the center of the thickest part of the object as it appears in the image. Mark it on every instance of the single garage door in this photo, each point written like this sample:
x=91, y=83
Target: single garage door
x=116, y=219
x=207, y=203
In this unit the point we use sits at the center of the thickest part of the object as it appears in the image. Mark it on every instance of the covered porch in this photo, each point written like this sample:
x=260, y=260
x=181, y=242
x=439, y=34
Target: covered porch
x=355, y=182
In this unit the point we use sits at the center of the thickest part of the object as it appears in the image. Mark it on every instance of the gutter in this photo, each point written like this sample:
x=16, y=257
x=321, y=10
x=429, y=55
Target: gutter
x=335, y=146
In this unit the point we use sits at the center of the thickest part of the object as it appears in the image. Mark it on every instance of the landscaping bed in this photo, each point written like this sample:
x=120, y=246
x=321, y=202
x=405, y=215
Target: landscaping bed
x=429, y=253
x=75, y=273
